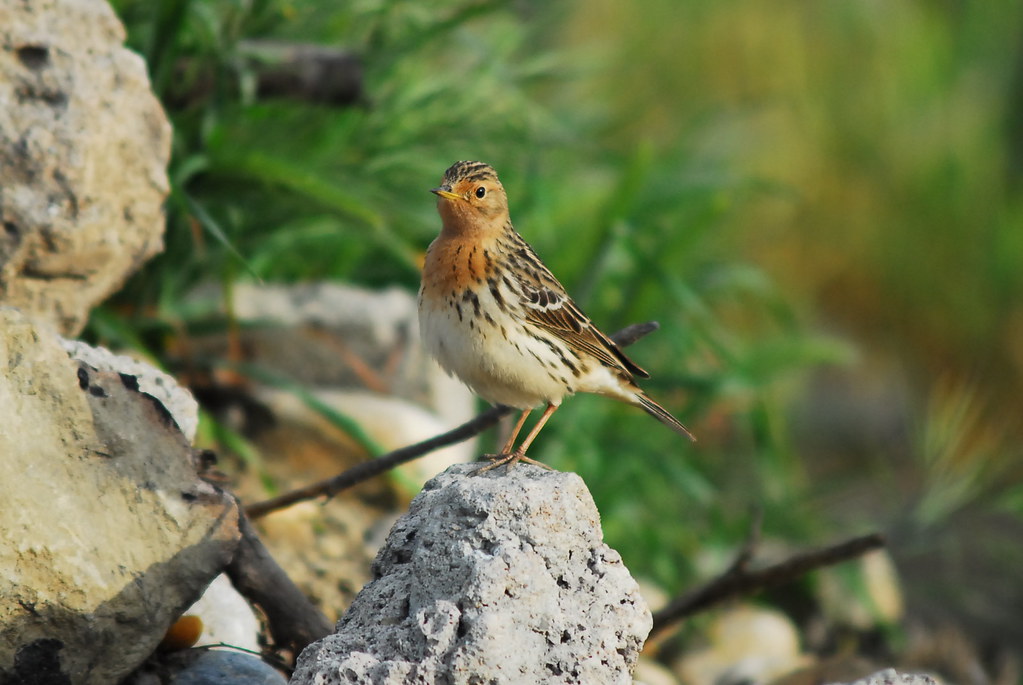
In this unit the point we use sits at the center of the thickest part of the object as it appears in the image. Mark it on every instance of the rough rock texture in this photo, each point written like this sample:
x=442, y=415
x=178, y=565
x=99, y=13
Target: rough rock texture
x=496, y=578
x=892, y=677
x=153, y=382
x=83, y=150
x=106, y=532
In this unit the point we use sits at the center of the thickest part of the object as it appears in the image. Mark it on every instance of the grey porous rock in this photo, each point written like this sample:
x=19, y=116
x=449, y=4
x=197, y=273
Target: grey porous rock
x=84, y=146
x=892, y=677
x=501, y=577
x=106, y=531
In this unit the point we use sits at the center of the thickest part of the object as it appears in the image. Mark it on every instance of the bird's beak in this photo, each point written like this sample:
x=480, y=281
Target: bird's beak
x=445, y=192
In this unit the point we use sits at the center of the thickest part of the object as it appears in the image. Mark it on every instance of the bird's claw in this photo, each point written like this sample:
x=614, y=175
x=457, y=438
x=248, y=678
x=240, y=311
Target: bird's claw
x=509, y=460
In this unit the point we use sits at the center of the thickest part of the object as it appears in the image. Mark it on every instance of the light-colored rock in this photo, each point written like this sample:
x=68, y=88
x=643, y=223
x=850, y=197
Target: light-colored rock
x=338, y=336
x=495, y=578
x=879, y=601
x=106, y=532
x=175, y=399
x=227, y=618
x=83, y=150
x=390, y=422
x=654, y=595
x=381, y=314
x=649, y=672
x=748, y=644
x=890, y=676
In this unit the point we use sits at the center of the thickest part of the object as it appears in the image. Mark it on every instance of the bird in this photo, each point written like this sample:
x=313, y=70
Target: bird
x=494, y=316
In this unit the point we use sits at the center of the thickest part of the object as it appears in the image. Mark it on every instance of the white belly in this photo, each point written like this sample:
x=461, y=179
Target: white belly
x=498, y=367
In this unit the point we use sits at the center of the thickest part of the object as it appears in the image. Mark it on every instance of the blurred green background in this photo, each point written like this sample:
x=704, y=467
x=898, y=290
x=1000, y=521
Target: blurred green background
x=822, y=203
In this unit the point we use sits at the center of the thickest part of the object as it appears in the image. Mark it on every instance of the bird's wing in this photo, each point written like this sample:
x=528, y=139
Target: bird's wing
x=548, y=306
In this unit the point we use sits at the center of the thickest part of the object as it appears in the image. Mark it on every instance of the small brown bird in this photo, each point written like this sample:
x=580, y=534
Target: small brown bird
x=494, y=316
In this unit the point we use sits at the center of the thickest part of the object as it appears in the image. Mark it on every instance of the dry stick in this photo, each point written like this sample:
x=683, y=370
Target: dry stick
x=292, y=71
x=738, y=581
x=366, y=470
x=311, y=73
x=293, y=620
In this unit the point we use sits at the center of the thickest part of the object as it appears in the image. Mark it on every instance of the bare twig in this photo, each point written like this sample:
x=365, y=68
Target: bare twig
x=308, y=73
x=312, y=73
x=737, y=580
x=366, y=470
x=293, y=620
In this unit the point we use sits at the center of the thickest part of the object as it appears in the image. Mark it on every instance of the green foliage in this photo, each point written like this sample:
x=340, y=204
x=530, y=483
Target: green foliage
x=867, y=157
x=638, y=224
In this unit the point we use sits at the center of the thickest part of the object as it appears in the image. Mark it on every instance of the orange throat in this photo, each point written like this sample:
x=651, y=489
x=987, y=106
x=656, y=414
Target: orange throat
x=456, y=262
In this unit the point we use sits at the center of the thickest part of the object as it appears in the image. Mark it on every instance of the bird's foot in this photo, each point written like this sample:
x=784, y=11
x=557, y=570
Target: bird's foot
x=510, y=460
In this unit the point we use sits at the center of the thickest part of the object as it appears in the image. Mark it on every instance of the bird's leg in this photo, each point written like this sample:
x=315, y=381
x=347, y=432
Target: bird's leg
x=512, y=458
x=521, y=451
x=507, y=449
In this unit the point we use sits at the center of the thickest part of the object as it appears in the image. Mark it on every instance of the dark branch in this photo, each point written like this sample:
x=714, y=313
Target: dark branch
x=293, y=620
x=292, y=71
x=370, y=469
x=312, y=73
x=738, y=581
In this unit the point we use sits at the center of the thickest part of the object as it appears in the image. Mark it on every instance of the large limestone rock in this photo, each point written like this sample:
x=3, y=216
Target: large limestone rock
x=83, y=150
x=496, y=578
x=106, y=532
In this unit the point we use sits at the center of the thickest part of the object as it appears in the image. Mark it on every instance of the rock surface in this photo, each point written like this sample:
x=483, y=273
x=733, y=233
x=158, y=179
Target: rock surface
x=227, y=617
x=207, y=667
x=106, y=532
x=746, y=643
x=496, y=578
x=227, y=668
x=338, y=336
x=390, y=422
x=892, y=677
x=355, y=352
x=83, y=150
x=153, y=382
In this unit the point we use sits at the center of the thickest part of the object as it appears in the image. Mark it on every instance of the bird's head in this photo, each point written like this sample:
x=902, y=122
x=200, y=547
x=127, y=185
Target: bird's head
x=471, y=198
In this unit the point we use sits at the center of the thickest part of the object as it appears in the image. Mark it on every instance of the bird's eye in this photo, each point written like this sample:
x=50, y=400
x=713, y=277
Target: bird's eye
x=481, y=192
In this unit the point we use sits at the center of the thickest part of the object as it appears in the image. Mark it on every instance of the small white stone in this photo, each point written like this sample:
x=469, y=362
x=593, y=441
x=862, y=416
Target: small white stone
x=227, y=618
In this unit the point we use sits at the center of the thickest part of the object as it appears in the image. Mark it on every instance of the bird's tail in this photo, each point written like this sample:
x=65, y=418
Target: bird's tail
x=661, y=414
